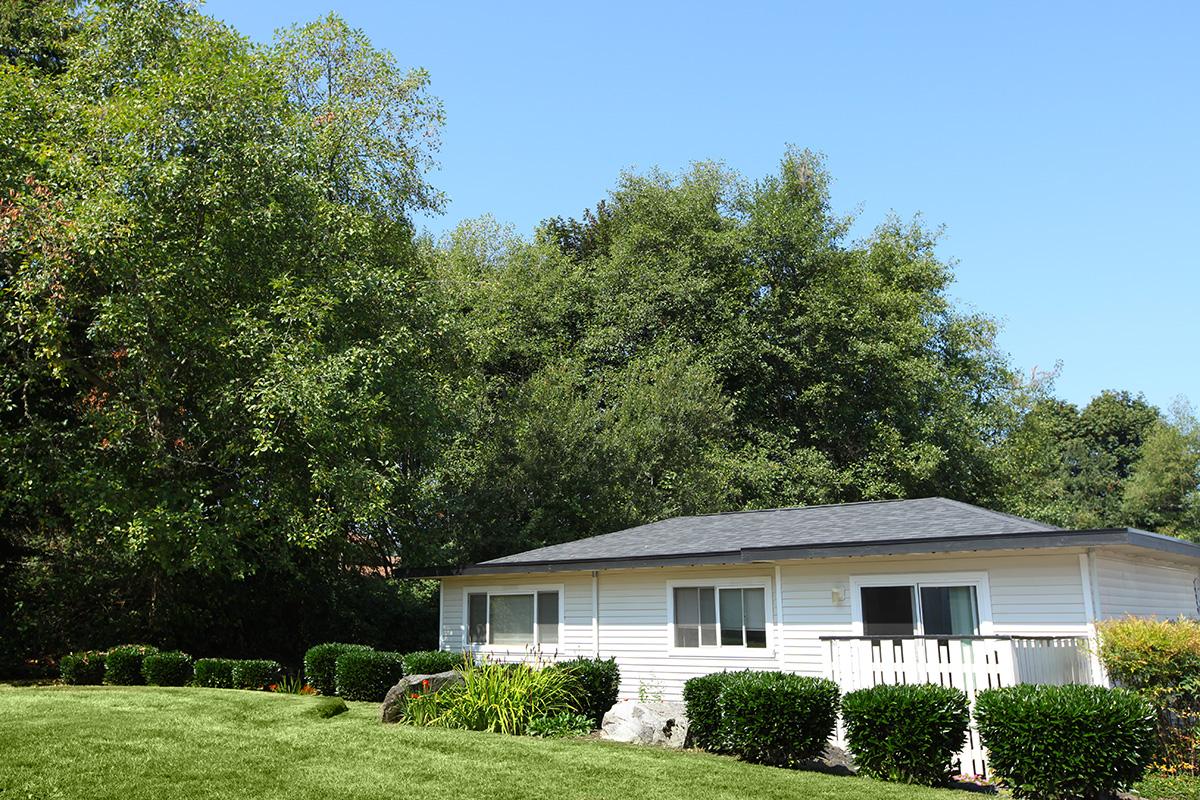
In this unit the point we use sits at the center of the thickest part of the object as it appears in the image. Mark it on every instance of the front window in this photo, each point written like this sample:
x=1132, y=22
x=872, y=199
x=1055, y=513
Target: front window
x=708, y=616
x=518, y=618
x=916, y=609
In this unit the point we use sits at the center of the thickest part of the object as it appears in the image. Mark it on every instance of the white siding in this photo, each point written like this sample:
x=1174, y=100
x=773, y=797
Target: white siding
x=1031, y=593
x=1144, y=588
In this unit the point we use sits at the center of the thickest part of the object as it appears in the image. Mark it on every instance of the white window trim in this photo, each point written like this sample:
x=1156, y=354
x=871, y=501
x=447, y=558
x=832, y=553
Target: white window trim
x=719, y=650
x=983, y=594
x=510, y=589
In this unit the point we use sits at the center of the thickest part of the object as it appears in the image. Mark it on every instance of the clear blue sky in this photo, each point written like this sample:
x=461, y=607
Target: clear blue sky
x=1057, y=142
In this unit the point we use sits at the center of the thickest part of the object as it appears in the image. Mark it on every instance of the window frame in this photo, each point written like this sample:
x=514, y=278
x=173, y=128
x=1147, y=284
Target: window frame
x=916, y=580
x=511, y=590
x=719, y=650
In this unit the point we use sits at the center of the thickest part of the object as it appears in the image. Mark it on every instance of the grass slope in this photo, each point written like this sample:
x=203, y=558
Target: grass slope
x=137, y=742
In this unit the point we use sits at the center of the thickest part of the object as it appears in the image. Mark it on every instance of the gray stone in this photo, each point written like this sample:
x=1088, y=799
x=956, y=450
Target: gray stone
x=397, y=697
x=658, y=723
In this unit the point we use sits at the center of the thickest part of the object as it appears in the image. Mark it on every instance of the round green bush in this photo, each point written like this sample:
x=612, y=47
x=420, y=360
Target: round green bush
x=367, y=674
x=255, y=673
x=215, y=673
x=700, y=696
x=906, y=733
x=1055, y=742
x=170, y=668
x=85, y=668
x=776, y=718
x=320, y=664
x=597, y=682
x=123, y=664
x=430, y=662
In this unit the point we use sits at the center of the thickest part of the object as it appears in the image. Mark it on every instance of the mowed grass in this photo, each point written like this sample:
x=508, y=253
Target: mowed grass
x=137, y=742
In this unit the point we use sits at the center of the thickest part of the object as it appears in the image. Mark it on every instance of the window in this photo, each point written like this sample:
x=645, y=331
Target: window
x=519, y=618
x=708, y=616
x=919, y=608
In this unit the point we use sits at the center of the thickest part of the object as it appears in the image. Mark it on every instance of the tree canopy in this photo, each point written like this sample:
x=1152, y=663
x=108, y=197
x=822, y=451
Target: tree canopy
x=240, y=392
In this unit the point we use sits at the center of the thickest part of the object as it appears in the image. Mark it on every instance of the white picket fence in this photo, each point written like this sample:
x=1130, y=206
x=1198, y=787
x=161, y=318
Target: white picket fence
x=971, y=663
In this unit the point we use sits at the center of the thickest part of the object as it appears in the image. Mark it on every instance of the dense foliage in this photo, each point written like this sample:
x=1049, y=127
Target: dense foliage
x=85, y=668
x=701, y=697
x=320, y=664
x=169, y=668
x=1058, y=742
x=907, y=733
x=367, y=674
x=240, y=395
x=254, y=673
x=561, y=725
x=500, y=698
x=429, y=662
x=1160, y=660
x=597, y=683
x=123, y=664
x=214, y=673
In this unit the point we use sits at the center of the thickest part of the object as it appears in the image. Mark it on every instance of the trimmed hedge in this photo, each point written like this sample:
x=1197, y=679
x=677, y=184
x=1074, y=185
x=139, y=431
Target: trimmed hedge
x=254, y=673
x=123, y=664
x=700, y=696
x=1057, y=742
x=84, y=668
x=597, y=682
x=429, y=662
x=367, y=674
x=777, y=718
x=171, y=668
x=906, y=733
x=320, y=664
x=215, y=673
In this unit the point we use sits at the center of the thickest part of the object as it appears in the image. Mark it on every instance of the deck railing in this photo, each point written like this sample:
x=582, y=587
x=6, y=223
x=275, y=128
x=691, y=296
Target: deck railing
x=970, y=663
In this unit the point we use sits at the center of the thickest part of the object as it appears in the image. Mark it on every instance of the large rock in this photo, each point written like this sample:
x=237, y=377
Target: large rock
x=659, y=723
x=397, y=697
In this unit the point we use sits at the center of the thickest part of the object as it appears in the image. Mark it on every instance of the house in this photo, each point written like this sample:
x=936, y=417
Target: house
x=863, y=593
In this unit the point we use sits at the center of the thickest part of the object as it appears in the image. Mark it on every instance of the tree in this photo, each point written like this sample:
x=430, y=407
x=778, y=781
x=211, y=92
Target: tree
x=1163, y=489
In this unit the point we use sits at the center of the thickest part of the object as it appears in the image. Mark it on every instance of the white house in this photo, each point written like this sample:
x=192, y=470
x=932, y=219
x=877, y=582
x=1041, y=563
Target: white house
x=863, y=593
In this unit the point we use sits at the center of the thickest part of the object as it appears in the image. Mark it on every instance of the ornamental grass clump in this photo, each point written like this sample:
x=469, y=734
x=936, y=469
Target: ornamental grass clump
x=1059, y=742
x=906, y=733
x=500, y=698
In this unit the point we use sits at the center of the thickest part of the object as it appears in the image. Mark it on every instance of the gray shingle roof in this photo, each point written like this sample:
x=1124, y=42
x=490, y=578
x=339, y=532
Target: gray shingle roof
x=810, y=526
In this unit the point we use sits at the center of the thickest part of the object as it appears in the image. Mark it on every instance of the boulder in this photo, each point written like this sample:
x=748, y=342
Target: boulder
x=397, y=697
x=659, y=723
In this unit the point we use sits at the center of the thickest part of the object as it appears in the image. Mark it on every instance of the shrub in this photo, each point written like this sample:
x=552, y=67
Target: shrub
x=501, y=698
x=367, y=674
x=776, y=718
x=597, y=682
x=429, y=662
x=320, y=664
x=215, y=673
x=700, y=695
x=254, y=673
x=327, y=707
x=906, y=733
x=85, y=668
x=172, y=668
x=560, y=725
x=123, y=664
x=1065, y=741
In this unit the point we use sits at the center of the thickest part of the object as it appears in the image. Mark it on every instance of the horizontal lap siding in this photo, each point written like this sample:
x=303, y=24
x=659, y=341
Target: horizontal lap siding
x=1144, y=588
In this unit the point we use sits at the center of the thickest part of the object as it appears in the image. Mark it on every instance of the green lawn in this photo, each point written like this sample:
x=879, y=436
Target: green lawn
x=130, y=743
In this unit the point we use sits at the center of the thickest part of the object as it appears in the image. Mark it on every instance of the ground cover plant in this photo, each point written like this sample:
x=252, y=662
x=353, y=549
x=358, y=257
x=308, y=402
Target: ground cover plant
x=147, y=743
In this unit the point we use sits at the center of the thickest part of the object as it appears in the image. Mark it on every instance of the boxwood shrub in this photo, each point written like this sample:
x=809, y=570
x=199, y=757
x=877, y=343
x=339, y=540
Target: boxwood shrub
x=429, y=662
x=170, y=668
x=906, y=733
x=320, y=664
x=597, y=682
x=85, y=668
x=1066, y=741
x=254, y=673
x=215, y=673
x=123, y=664
x=367, y=674
x=700, y=696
